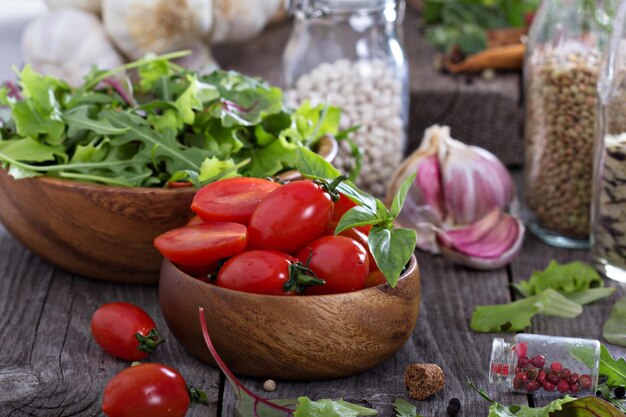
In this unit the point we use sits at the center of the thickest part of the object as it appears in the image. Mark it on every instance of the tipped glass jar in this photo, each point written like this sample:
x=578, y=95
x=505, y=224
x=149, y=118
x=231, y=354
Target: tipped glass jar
x=560, y=77
x=608, y=236
x=533, y=363
x=347, y=53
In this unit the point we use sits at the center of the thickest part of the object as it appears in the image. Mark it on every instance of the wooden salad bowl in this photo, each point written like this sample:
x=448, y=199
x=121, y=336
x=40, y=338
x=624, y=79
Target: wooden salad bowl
x=292, y=337
x=98, y=231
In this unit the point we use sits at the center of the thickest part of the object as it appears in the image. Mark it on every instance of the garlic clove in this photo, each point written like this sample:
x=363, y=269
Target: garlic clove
x=489, y=243
x=474, y=182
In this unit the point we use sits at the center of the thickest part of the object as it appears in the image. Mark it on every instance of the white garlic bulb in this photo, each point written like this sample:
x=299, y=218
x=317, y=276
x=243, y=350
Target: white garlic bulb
x=200, y=60
x=67, y=43
x=138, y=27
x=240, y=20
x=92, y=6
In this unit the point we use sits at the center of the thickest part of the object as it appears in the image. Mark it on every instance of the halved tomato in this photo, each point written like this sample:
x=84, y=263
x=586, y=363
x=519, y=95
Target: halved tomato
x=203, y=244
x=232, y=199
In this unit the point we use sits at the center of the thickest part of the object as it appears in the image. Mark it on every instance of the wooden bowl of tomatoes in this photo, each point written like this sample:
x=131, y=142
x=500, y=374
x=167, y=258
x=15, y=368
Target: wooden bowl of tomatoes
x=307, y=337
x=98, y=231
x=285, y=296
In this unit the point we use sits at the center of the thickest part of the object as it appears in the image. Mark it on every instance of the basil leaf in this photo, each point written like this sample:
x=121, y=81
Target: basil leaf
x=392, y=249
x=355, y=217
x=310, y=164
x=329, y=408
x=404, y=408
x=400, y=197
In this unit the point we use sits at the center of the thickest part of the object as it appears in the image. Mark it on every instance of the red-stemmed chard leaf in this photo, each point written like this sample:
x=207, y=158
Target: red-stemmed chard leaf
x=249, y=404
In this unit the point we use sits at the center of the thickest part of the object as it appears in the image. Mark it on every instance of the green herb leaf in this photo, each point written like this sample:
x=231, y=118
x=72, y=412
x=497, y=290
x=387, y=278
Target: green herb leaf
x=405, y=409
x=568, y=278
x=329, y=408
x=400, y=197
x=356, y=217
x=614, y=329
x=313, y=165
x=589, y=296
x=550, y=410
x=392, y=249
x=28, y=149
x=78, y=119
x=516, y=316
x=587, y=407
x=613, y=369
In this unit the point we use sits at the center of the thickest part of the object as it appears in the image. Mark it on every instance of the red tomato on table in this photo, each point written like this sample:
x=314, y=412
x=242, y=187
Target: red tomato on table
x=340, y=261
x=116, y=327
x=146, y=390
x=203, y=244
x=290, y=216
x=231, y=199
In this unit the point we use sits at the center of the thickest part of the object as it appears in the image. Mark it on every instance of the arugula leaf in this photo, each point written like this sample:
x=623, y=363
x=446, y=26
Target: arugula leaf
x=516, y=316
x=613, y=369
x=329, y=408
x=405, y=409
x=166, y=124
x=614, y=329
x=569, y=278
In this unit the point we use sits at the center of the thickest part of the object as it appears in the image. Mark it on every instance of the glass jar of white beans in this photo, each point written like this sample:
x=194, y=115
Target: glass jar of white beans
x=347, y=53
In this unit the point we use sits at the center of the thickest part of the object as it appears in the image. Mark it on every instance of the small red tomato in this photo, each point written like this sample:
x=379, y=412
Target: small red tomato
x=342, y=206
x=357, y=235
x=125, y=331
x=290, y=216
x=262, y=272
x=146, y=390
x=231, y=199
x=375, y=278
x=203, y=244
x=340, y=261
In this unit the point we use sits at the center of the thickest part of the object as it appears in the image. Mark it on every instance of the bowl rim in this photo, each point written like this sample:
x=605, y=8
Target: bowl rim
x=328, y=147
x=410, y=269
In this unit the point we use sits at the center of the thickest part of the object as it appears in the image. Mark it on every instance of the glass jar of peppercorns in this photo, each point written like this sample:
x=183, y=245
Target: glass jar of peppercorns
x=545, y=364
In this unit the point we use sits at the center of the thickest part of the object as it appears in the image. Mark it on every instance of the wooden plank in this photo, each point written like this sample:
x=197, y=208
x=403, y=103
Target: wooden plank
x=481, y=112
x=49, y=363
x=442, y=336
x=535, y=256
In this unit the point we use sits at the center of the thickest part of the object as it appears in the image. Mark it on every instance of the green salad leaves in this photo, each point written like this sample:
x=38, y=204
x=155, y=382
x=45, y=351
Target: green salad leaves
x=560, y=290
x=169, y=125
x=614, y=329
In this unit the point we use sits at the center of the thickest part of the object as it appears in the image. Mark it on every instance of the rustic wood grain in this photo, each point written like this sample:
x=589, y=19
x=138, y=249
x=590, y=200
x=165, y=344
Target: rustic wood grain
x=293, y=338
x=49, y=364
x=442, y=336
x=479, y=111
x=98, y=231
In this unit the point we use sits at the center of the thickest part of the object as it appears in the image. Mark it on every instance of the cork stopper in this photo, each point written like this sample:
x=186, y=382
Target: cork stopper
x=423, y=380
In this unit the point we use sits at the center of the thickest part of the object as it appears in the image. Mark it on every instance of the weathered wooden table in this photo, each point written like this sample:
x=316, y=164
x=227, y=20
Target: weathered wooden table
x=50, y=366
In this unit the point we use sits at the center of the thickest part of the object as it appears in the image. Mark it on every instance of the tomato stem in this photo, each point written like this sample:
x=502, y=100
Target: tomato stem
x=149, y=342
x=331, y=188
x=301, y=277
x=198, y=396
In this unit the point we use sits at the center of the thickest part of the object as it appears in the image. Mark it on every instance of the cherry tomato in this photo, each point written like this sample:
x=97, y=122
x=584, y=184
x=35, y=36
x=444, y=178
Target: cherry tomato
x=290, y=216
x=342, y=206
x=375, y=278
x=125, y=331
x=260, y=272
x=232, y=199
x=203, y=244
x=194, y=221
x=340, y=261
x=146, y=390
x=357, y=235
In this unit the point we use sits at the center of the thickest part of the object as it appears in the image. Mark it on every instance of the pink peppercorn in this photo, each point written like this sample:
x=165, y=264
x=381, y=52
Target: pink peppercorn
x=566, y=374
x=553, y=378
x=563, y=386
x=521, y=349
x=538, y=361
x=556, y=366
x=532, y=386
x=549, y=386
x=584, y=381
x=523, y=361
x=573, y=378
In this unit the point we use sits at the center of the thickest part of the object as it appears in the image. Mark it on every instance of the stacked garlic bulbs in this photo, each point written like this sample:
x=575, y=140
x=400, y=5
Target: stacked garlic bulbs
x=458, y=202
x=77, y=34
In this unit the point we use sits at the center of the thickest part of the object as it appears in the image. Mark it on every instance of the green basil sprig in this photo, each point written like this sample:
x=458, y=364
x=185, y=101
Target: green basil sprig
x=391, y=247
